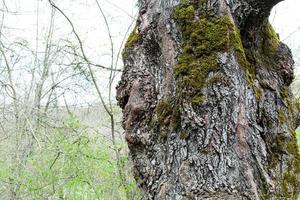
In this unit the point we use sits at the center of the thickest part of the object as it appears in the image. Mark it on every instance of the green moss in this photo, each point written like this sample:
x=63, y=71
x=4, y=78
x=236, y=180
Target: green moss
x=250, y=80
x=184, y=135
x=284, y=92
x=267, y=47
x=163, y=110
x=189, y=197
x=243, y=62
x=270, y=40
x=133, y=39
x=265, y=84
x=168, y=115
x=277, y=148
x=185, y=13
x=176, y=118
x=281, y=116
x=198, y=100
x=202, y=40
x=294, y=150
x=292, y=105
x=291, y=184
x=297, y=103
x=163, y=136
x=289, y=181
x=205, y=36
x=241, y=54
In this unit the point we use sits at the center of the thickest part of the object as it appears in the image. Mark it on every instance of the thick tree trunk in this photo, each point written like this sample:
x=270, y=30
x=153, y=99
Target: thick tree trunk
x=208, y=112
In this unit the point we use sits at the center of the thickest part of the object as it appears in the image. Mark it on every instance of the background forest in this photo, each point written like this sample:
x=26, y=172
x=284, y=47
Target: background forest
x=60, y=127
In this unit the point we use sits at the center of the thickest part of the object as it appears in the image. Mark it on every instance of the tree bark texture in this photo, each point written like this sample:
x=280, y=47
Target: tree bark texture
x=208, y=111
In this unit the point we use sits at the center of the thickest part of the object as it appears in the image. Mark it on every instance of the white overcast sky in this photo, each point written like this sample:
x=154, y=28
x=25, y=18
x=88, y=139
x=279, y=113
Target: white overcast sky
x=285, y=18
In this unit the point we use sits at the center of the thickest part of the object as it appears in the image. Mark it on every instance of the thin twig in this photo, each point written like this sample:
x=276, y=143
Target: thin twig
x=77, y=36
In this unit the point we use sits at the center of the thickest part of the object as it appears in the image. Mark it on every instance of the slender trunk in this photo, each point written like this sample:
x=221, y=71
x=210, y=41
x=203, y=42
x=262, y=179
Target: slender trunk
x=208, y=111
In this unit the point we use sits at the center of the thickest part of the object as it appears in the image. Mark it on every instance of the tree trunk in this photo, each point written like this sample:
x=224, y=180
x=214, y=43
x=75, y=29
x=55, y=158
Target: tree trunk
x=208, y=111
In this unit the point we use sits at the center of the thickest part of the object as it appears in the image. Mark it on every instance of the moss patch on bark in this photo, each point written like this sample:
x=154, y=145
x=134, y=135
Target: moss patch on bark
x=203, y=37
x=167, y=114
x=133, y=39
x=291, y=183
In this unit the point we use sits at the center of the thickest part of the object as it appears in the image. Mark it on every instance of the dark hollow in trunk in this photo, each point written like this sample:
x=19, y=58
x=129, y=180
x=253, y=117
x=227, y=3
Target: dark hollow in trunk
x=208, y=111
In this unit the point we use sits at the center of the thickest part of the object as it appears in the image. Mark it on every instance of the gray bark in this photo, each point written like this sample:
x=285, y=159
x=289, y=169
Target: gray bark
x=239, y=142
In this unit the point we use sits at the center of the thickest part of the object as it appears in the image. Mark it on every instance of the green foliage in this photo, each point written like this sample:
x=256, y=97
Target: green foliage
x=76, y=164
x=72, y=122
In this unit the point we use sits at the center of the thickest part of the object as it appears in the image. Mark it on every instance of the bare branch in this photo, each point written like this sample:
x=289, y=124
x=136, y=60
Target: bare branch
x=78, y=38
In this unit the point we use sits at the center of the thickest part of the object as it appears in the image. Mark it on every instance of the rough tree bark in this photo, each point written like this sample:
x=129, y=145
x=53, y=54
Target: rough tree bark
x=208, y=111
